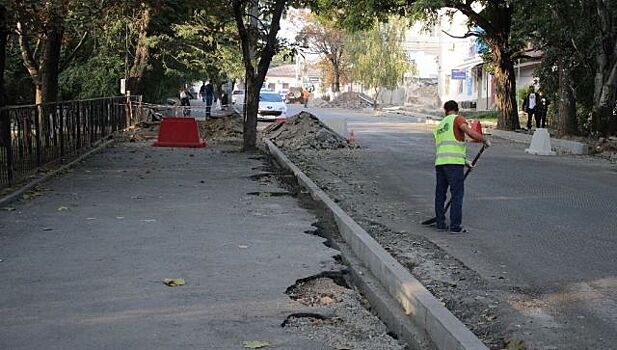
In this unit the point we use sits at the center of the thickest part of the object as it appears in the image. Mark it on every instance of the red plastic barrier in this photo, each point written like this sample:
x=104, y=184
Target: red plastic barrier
x=477, y=126
x=179, y=132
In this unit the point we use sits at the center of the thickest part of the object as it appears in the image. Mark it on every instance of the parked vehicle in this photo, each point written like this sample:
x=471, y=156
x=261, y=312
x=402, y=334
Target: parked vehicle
x=294, y=95
x=271, y=106
x=237, y=99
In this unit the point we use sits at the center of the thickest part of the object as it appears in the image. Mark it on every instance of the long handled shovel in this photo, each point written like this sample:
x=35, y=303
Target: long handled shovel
x=473, y=164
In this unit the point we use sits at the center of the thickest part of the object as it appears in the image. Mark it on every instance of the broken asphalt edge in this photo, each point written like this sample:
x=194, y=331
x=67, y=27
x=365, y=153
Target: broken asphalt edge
x=426, y=313
x=13, y=196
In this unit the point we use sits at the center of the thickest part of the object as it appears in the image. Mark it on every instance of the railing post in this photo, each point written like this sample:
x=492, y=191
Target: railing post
x=61, y=127
x=5, y=142
x=37, y=130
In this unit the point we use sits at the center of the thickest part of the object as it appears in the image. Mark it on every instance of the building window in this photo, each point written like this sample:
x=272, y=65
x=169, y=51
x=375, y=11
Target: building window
x=285, y=85
x=271, y=86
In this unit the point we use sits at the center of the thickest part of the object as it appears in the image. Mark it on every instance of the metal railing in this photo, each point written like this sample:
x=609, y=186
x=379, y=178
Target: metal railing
x=35, y=135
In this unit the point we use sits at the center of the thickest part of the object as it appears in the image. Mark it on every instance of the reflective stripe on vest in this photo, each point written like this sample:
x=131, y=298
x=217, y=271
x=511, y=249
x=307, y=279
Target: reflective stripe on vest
x=448, y=149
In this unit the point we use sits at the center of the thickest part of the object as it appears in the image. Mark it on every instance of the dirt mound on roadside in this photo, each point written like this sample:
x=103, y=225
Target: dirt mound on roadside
x=349, y=100
x=219, y=128
x=304, y=131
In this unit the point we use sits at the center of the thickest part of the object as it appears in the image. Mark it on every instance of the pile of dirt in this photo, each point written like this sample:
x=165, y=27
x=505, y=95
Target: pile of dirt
x=349, y=100
x=304, y=131
x=221, y=128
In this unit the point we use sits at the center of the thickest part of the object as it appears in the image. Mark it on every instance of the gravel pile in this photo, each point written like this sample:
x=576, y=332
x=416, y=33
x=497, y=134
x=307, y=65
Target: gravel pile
x=348, y=100
x=304, y=131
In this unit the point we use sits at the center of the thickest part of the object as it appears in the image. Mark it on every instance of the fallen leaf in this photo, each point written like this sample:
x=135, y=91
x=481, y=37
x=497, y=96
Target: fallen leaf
x=120, y=217
x=48, y=229
x=242, y=246
x=265, y=194
x=174, y=282
x=90, y=218
x=63, y=208
x=255, y=344
x=8, y=209
x=149, y=220
x=343, y=348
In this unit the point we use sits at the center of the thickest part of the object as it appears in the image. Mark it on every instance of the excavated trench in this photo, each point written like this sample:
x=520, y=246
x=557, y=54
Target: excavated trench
x=336, y=313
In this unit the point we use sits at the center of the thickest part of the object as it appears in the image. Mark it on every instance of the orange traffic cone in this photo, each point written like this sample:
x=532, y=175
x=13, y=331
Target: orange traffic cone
x=476, y=126
x=352, y=138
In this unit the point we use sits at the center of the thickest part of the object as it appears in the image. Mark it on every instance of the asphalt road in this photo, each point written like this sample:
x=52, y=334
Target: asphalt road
x=549, y=223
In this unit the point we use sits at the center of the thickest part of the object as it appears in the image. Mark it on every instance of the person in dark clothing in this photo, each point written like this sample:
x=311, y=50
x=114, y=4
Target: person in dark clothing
x=208, y=96
x=530, y=104
x=542, y=109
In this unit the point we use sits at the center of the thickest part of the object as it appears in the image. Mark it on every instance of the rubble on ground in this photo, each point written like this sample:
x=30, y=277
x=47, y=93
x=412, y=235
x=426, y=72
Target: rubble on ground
x=221, y=128
x=605, y=148
x=340, y=319
x=304, y=132
x=349, y=100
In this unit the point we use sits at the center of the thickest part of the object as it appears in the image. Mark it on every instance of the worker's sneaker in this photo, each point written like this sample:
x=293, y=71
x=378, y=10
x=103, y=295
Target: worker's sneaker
x=458, y=230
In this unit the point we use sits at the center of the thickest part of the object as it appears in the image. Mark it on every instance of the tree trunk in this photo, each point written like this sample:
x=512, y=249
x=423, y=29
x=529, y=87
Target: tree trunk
x=48, y=90
x=142, y=55
x=4, y=33
x=336, y=83
x=505, y=85
x=567, y=123
x=252, y=107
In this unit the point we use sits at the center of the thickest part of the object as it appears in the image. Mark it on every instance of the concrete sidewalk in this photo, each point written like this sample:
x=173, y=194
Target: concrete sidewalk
x=82, y=266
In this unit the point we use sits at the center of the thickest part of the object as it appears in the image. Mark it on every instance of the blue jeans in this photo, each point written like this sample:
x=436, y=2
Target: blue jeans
x=208, y=105
x=452, y=176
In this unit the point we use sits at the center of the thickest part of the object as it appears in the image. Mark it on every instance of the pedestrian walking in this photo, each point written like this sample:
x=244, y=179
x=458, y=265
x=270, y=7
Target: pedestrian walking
x=450, y=162
x=202, y=92
x=542, y=108
x=208, y=97
x=530, y=104
x=185, y=100
x=306, y=94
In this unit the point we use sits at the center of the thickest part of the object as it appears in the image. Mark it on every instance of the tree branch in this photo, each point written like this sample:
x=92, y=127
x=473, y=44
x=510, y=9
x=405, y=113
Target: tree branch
x=271, y=41
x=26, y=54
x=478, y=19
x=244, y=36
x=467, y=35
x=68, y=60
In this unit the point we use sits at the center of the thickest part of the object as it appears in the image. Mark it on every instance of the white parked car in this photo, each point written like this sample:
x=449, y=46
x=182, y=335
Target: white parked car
x=271, y=106
x=237, y=99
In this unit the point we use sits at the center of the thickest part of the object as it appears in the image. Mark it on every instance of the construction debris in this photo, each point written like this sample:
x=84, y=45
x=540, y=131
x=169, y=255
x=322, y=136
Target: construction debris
x=305, y=131
x=221, y=128
x=350, y=100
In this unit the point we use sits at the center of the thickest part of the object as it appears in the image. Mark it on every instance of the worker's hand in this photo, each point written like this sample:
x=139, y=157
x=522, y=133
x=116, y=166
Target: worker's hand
x=468, y=164
x=487, y=143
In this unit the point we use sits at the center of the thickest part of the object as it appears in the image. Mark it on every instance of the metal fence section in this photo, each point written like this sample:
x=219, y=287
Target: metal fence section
x=35, y=135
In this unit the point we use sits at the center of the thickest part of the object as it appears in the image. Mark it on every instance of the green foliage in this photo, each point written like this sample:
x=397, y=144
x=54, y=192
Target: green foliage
x=377, y=56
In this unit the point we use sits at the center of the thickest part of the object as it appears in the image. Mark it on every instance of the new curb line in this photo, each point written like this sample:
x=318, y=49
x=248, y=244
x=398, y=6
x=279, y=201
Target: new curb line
x=15, y=195
x=425, y=311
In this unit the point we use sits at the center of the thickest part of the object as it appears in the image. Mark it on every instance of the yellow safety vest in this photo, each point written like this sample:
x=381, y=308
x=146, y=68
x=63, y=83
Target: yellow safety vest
x=449, y=149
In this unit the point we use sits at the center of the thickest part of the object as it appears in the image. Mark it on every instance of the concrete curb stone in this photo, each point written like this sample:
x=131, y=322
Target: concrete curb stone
x=424, y=310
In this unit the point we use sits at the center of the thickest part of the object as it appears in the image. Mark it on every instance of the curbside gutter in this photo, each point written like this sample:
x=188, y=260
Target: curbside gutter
x=426, y=313
x=27, y=187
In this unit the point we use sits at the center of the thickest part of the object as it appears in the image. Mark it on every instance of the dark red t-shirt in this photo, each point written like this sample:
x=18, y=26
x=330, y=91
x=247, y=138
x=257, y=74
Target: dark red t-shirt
x=458, y=132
